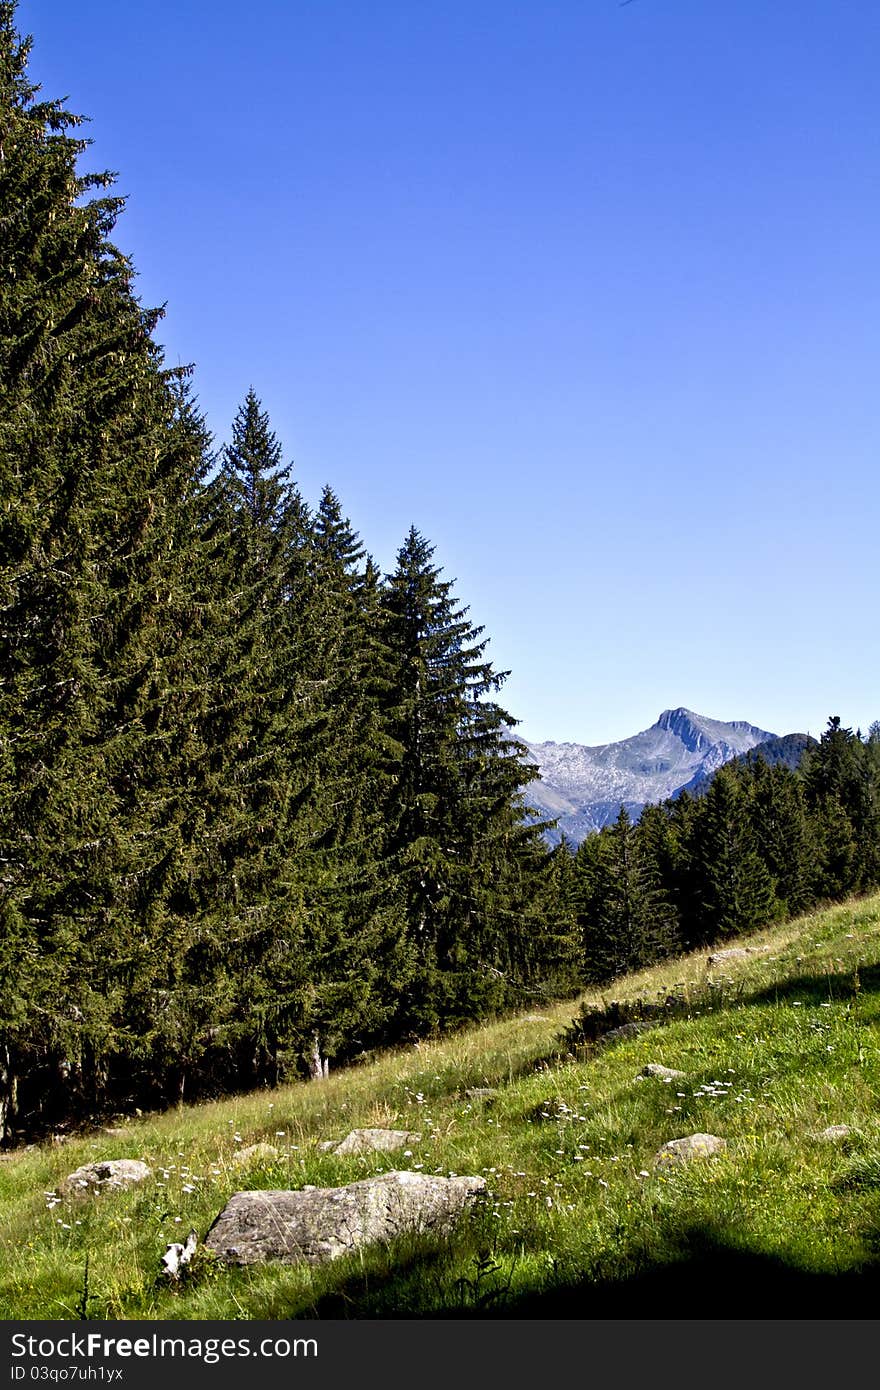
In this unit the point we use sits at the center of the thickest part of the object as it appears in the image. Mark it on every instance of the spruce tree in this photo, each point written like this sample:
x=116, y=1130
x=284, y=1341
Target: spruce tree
x=625, y=916
x=783, y=833
x=734, y=888
x=464, y=852
x=92, y=471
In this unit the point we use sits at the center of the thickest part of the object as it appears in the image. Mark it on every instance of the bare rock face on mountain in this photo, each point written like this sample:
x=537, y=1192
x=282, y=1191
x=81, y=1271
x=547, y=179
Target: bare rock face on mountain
x=314, y=1225
x=585, y=787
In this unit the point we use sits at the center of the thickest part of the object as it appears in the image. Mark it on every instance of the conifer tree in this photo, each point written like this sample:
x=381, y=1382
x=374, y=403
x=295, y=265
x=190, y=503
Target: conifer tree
x=464, y=853
x=624, y=914
x=91, y=470
x=841, y=786
x=783, y=834
x=735, y=890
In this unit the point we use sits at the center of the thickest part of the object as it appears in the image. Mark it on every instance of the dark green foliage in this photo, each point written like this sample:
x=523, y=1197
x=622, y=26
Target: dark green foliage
x=626, y=916
x=842, y=783
x=466, y=859
x=735, y=890
x=783, y=834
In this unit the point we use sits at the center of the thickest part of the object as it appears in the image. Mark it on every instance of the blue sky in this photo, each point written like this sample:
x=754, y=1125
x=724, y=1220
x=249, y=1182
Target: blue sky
x=588, y=292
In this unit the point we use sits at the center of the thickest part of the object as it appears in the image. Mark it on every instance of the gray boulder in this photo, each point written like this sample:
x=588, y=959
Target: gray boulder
x=364, y=1141
x=661, y=1072
x=113, y=1175
x=320, y=1224
x=690, y=1146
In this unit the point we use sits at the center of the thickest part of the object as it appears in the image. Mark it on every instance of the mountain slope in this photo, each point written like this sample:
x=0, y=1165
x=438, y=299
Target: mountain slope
x=786, y=751
x=584, y=787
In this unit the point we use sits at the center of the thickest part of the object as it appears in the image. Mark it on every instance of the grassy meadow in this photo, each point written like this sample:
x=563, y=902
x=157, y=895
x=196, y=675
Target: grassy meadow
x=577, y=1220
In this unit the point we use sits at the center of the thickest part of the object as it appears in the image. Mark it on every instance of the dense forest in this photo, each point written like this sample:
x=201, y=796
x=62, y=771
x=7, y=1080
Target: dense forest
x=259, y=805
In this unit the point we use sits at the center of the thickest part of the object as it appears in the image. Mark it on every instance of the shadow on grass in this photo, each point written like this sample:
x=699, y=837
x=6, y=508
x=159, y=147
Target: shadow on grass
x=820, y=988
x=597, y=1026
x=704, y=1277
x=707, y=1277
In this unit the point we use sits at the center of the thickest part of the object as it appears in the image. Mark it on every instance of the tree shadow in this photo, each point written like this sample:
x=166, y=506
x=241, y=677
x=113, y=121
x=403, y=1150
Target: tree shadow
x=707, y=1277
x=815, y=988
x=703, y=1276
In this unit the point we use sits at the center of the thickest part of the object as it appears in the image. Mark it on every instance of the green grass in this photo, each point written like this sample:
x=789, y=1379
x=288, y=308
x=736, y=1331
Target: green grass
x=577, y=1220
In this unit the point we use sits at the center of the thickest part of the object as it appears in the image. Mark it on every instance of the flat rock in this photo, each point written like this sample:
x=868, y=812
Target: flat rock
x=111, y=1175
x=324, y=1223
x=834, y=1133
x=690, y=1146
x=661, y=1072
x=364, y=1141
x=254, y=1153
x=484, y=1093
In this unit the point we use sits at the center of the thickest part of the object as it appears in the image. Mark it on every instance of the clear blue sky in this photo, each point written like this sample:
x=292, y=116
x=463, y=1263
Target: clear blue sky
x=590, y=292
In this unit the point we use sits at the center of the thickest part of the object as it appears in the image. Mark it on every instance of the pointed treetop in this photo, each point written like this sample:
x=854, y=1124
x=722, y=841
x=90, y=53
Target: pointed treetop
x=252, y=463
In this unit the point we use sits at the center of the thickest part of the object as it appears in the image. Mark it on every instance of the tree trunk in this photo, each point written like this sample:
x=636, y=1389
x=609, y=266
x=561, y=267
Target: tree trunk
x=318, y=1066
x=8, y=1092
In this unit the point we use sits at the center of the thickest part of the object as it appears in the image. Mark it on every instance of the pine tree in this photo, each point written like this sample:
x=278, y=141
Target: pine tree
x=735, y=891
x=842, y=790
x=463, y=850
x=783, y=834
x=625, y=916
x=92, y=469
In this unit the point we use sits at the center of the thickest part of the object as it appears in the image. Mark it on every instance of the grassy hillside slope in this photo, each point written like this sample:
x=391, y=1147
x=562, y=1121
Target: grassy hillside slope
x=578, y=1221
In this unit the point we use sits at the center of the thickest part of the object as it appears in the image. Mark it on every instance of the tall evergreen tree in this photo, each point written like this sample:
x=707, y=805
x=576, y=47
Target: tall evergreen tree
x=92, y=469
x=843, y=792
x=625, y=916
x=735, y=890
x=783, y=834
x=464, y=852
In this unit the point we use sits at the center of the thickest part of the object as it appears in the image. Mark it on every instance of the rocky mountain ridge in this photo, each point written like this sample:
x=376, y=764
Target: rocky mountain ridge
x=584, y=786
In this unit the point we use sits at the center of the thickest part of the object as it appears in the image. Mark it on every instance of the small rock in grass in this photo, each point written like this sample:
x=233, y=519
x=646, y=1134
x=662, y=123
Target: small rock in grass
x=661, y=1072
x=254, y=1153
x=362, y=1141
x=688, y=1147
x=834, y=1133
x=113, y=1175
x=483, y=1093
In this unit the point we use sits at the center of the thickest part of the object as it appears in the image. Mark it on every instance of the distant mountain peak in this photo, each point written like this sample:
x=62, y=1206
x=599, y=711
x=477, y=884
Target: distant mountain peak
x=585, y=786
